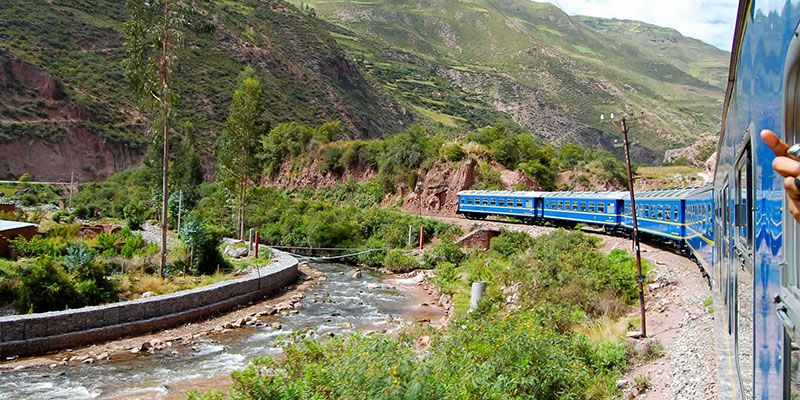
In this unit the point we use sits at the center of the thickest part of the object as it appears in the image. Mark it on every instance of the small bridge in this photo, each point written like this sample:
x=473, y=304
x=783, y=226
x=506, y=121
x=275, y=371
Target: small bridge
x=478, y=238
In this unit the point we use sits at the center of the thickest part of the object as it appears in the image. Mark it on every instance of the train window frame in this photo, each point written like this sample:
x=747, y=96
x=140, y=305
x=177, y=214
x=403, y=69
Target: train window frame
x=583, y=206
x=744, y=198
x=601, y=207
x=560, y=205
x=492, y=201
x=485, y=201
x=591, y=207
x=660, y=214
x=668, y=213
x=519, y=203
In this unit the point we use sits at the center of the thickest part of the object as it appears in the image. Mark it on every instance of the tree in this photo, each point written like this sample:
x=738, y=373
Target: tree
x=152, y=36
x=237, y=147
x=187, y=170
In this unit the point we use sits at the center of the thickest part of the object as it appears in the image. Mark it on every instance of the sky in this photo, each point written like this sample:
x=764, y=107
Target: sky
x=711, y=21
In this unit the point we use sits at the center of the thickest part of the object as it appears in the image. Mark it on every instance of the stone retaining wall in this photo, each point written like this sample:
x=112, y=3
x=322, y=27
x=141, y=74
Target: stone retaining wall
x=22, y=335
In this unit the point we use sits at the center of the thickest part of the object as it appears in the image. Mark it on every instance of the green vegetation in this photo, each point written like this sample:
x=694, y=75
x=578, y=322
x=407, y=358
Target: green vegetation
x=524, y=341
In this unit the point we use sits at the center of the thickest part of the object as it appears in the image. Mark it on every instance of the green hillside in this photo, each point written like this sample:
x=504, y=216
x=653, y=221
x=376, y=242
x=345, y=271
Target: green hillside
x=78, y=45
x=469, y=62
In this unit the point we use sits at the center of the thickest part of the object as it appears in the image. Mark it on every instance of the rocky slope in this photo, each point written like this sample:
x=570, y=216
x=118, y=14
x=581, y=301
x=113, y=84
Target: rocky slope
x=61, y=77
x=468, y=62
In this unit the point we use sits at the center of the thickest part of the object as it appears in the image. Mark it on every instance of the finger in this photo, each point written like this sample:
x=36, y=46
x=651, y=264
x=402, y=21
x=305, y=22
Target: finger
x=776, y=144
x=790, y=184
x=786, y=166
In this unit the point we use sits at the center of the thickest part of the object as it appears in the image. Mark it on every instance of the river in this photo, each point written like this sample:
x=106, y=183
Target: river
x=338, y=305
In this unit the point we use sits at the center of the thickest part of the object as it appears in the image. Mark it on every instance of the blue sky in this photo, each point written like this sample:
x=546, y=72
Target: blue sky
x=711, y=21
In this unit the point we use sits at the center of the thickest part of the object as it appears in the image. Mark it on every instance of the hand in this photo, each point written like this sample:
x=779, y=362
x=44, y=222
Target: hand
x=788, y=167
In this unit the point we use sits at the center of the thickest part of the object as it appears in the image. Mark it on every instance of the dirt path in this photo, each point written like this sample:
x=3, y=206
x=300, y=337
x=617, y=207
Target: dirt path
x=679, y=317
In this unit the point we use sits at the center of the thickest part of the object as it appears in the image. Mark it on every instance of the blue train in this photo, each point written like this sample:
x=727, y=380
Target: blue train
x=739, y=228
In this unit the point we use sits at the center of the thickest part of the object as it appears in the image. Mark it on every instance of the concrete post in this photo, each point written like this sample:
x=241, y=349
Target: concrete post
x=258, y=240
x=477, y=294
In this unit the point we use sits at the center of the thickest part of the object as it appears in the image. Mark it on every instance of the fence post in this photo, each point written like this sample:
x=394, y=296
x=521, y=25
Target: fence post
x=258, y=237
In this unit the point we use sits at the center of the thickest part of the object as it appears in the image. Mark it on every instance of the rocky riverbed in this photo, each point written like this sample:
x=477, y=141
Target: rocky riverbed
x=331, y=300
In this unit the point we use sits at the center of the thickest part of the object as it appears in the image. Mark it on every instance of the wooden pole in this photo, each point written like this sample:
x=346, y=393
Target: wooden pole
x=640, y=277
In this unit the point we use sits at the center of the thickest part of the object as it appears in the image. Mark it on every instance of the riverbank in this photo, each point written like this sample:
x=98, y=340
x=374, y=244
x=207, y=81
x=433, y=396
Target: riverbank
x=175, y=338
x=331, y=300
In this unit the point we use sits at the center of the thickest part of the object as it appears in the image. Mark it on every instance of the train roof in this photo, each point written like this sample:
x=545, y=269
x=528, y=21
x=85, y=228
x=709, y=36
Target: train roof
x=505, y=193
x=596, y=195
x=663, y=194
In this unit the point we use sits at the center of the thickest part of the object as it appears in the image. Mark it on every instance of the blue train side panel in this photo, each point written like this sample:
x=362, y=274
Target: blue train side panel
x=699, y=226
x=596, y=208
x=660, y=213
x=762, y=93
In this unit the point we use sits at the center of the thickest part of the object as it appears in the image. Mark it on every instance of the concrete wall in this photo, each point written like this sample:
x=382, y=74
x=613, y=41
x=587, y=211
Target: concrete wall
x=31, y=334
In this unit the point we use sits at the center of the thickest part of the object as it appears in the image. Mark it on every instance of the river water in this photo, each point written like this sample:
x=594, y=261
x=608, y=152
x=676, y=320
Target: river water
x=337, y=305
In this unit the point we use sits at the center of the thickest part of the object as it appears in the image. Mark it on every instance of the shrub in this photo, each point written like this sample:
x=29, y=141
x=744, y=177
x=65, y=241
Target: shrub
x=446, y=277
x=45, y=286
x=510, y=243
x=25, y=177
x=202, y=241
x=133, y=243
x=79, y=257
x=452, y=152
x=398, y=262
x=39, y=246
x=446, y=251
x=499, y=358
x=331, y=157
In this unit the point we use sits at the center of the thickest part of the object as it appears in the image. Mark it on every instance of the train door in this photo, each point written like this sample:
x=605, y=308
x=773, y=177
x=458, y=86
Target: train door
x=742, y=268
x=788, y=309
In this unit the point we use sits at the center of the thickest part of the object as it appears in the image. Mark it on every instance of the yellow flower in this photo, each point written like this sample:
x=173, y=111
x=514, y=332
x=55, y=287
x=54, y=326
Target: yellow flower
x=396, y=381
x=394, y=371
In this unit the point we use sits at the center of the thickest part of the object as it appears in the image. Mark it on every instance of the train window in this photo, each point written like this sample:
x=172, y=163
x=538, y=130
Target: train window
x=601, y=207
x=519, y=203
x=744, y=201
x=574, y=206
x=668, y=213
x=560, y=205
x=583, y=206
x=485, y=201
x=677, y=214
x=660, y=212
x=611, y=208
x=493, y=202
x=529, y=203
x=591, y=207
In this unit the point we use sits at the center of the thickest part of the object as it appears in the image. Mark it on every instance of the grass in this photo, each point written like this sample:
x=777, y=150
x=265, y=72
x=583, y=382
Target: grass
x=132, y=286
x=444, y=119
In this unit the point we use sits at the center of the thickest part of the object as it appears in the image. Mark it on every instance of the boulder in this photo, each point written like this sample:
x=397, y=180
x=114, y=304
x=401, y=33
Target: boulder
x=236, y=251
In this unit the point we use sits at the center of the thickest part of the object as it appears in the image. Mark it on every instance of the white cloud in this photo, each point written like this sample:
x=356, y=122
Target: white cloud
x=711, y=21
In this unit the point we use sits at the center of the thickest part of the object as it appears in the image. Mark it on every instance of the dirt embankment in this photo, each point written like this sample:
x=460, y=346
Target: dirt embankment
x=45, y=133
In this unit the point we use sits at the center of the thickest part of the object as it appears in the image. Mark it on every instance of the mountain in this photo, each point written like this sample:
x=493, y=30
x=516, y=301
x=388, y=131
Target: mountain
x=471, y=62
x=377, y=65
x=65, y=105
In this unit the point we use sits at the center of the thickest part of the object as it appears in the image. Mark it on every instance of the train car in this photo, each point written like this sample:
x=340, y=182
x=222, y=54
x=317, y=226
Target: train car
x=594, y=208
x=660, y=214
x=699, y=226
x=757, y=265
x=478, y=204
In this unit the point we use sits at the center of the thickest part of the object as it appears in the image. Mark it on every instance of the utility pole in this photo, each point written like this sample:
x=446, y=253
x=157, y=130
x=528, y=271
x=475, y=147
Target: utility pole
x=180, y=210
x=640, y=278
x=71, y=188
